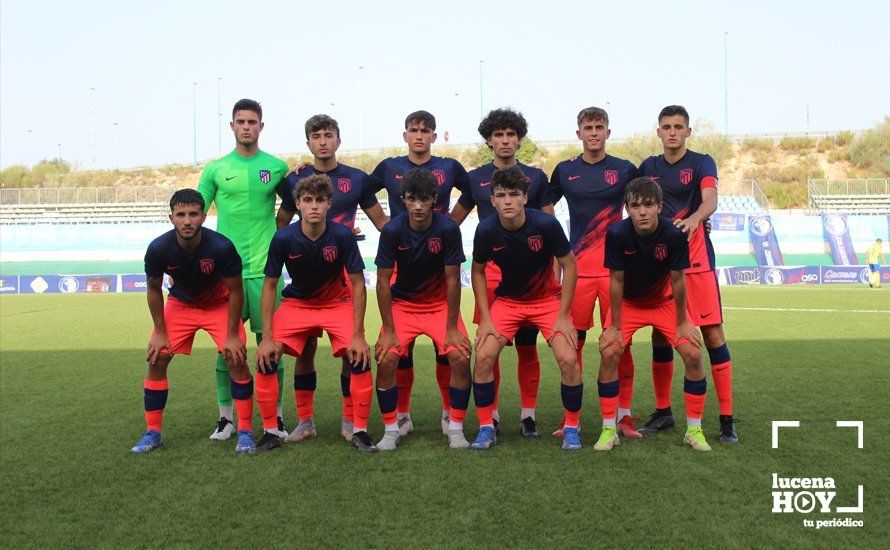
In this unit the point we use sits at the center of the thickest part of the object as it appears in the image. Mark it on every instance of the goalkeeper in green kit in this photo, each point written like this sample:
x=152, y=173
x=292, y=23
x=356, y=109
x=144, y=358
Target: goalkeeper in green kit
x=244, y=184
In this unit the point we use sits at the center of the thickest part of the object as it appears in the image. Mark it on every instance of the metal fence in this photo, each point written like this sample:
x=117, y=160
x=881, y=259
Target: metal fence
x=871, y=186
x=750, y=187
x=86, y=195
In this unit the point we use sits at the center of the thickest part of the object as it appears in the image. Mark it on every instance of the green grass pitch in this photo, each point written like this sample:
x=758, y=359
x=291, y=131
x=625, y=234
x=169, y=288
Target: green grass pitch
x=71, y=374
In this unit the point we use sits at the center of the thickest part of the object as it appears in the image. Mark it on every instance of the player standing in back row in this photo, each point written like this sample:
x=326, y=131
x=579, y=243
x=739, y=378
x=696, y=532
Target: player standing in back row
x=593, y=185
x=244, y=184
x=503, y=131
x=689, y=182
x=420, y=134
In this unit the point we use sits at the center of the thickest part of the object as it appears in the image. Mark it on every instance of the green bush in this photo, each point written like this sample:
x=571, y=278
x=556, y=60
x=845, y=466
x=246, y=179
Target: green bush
x=797, y=144
x=560, y=155
x=477, y=157
x=637, y=148
x=786, y=186
x=757, y=146
x=715, y=145
x=15, y=176
x=844, y=138
x=871, y=150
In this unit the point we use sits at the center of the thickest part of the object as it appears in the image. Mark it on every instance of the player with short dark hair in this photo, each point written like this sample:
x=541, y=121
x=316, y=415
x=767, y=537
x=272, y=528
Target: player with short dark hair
x=206, y=293
x=427, y=248
x=647, y=256
x=316, y=254
x=689, y=181
x=503, y=131
x=244, y=184
x=420, y=134
x=593, y=187
x=523, y=243
x=352, y=189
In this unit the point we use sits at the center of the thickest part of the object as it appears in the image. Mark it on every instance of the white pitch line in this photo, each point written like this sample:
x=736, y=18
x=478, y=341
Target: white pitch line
x=809, y=310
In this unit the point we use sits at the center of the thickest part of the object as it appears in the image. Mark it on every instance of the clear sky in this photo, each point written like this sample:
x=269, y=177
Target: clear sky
x=545, y=58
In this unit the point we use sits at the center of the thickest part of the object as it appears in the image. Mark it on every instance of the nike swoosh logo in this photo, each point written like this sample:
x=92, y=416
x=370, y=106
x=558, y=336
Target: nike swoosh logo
x=173, y=267
x=404, y=248
x=360, y=404
x=703, y=315
x=722, y=368
x=399, y=176
x=485, y=184
x=628, y=376
x=572, y=178
x=629, y=252
x=294, y=256
x=499, y=248
x=230, y=179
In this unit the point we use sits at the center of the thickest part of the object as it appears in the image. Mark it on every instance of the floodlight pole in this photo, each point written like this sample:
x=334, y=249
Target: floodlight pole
x=481, y=109
x=219, y=112
x=195, y=123
x=116, y=163
x=726, y=84
x=92, y=128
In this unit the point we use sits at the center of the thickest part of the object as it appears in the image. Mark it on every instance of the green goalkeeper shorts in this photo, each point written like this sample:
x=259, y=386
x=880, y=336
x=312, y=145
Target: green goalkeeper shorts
x=253, y=291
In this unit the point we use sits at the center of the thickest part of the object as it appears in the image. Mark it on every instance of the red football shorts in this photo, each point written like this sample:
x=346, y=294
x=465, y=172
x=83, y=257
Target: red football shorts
x=184, y=320
x=662, y=317
x=509, y=316
x=589, y=290
x=413, y=320
x=492, y=279
x=703, y=299
x=296, y=320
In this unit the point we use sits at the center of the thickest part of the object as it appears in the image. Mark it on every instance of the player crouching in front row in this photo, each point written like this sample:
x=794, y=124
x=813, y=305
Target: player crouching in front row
x=206, y=294
x=523, y=243
x=426, y=249
x=316, y=253
x=646, y=256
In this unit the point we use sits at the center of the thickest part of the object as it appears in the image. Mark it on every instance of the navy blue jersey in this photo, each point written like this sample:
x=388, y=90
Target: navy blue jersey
x=525, y=256
x=316, y=267
x=595, y=196
x=352, y=189
x=682, y=183
x=421, y=257
x=388, y=175
x=197, y=277
x=478, y=191
x=647, y=262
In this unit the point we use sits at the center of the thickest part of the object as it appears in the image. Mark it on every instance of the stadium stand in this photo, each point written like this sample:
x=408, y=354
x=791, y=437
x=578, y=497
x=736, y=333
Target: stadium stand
x=860, y=196
x=84, y=205
x=739, y=204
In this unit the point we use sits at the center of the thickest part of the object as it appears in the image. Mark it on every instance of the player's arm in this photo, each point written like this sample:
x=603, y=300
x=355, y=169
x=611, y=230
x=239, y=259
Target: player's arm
x=569, y=279
x=288, y=208
x=283, y=217
x=377, y=216
x=684, y=329
x=159, y=341
x=358, y=350
x=612, y=334
x=707, y=207
x=459, y=213
x=268, y=351
x=207, y=185
x=453, y=336
x=388, y=339
x=480, y=292
x=234, y=348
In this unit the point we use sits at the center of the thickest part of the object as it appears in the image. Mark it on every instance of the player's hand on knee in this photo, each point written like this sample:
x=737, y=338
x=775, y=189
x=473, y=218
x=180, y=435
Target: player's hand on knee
x=455, y=338
x=158, y=346
x=234, y=351
x=266, y=354
x=387, y=341
x=486, y=329
x=688, y=332
x=610, y=337
x=359, y=352
x=565, y=327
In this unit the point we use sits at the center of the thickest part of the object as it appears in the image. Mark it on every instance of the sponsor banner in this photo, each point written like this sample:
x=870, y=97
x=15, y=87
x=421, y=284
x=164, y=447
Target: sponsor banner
x=836, y=232
x=9, y=285
x=844, y=274
x=66, y=284
x=727, y=222
x=764, y=244
x=133, y=283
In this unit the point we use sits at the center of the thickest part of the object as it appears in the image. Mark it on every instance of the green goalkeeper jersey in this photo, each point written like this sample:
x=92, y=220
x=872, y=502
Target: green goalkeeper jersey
x=244, y=190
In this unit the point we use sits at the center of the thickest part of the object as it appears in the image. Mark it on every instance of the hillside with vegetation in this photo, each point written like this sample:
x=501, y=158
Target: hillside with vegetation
x=781, y=167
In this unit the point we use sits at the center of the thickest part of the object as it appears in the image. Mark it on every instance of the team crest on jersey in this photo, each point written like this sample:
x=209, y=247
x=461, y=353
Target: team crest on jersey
x=206, y=266
x=685, y=176
x=660, y=252
x=611, y=176
x=265, y=176
x=329, y=253
x=344, y=185
x=440, y=176
x=434, y=245
x=535, y=243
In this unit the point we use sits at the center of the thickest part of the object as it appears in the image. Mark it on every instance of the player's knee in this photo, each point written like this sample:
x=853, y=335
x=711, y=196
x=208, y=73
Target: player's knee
x=457, y=362
x=691, y=356
x=611, y=354
x=484, y=362
x=713, y=336
x=386, y=371
x=566, y=359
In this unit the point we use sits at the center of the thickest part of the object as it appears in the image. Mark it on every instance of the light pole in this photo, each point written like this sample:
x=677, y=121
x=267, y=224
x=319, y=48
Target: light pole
x=30, y=145
x=219, y=112
x=92, y=128
x=361, y=108
x=481, y=110
x=195, y=123
x=456, y=115
x=725, y=84
x=116, y=163
x=60, y=151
